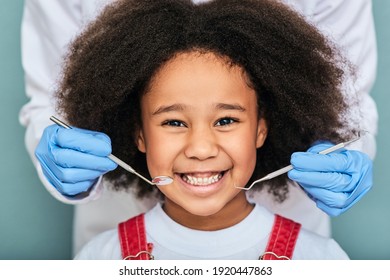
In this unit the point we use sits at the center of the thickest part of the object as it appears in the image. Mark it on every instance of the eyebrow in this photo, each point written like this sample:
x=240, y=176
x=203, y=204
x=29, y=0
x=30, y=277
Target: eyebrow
x=170, y=108
x=227, y=106
x=182, y=107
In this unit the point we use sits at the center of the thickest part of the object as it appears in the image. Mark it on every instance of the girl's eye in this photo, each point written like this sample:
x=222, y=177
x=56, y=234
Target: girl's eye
x=174, y=123
x=225, y=121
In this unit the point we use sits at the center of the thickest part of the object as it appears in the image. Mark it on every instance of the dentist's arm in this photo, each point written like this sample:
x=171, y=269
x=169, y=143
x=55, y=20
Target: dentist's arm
x=48, y=26
x=350, y=24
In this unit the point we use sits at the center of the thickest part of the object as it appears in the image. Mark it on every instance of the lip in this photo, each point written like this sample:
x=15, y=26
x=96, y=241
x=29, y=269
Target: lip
x=202, y=191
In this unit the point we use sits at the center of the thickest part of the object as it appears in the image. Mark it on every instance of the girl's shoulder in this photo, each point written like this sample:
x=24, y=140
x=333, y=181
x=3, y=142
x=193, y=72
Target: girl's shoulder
x=316, y=247
x=104, y=246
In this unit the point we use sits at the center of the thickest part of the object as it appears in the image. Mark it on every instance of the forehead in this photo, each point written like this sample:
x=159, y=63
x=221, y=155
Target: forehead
x=200, y=75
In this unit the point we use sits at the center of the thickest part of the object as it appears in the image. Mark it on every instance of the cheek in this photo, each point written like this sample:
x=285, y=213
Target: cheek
x=160, y=154
x=243, y=153
x=247, y=162
x=244, y=166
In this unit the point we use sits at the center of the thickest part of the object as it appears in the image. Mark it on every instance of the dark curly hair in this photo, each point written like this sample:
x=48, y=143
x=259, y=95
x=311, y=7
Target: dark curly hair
x=296, y=72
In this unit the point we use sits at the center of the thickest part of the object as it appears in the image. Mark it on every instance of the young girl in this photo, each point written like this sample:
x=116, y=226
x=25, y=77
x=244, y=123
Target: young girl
x=215, y=96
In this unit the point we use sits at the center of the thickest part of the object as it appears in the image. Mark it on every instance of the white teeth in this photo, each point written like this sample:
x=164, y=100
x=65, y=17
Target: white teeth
x=201, y=181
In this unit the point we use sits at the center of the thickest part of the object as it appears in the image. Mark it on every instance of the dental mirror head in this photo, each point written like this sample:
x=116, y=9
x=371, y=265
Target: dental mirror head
x=162, y=180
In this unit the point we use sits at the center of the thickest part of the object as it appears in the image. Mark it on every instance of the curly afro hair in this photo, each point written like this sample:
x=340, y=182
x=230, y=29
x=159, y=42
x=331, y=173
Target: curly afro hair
x=296, y=72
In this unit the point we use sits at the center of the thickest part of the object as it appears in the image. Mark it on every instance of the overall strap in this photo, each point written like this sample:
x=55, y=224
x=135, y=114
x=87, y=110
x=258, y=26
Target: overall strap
x=132, y=238
x=282, y=240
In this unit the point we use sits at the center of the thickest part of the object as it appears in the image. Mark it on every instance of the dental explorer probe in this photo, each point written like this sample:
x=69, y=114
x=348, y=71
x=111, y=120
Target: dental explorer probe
x=290, y=167
x=158, y=180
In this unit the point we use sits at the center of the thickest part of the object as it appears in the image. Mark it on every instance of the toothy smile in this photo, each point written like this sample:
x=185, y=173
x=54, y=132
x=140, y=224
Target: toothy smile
x=201, y=179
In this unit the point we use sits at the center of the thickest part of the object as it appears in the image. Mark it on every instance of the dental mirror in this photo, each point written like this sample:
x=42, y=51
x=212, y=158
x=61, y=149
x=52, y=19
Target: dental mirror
x=158, y=180
x=162, y=180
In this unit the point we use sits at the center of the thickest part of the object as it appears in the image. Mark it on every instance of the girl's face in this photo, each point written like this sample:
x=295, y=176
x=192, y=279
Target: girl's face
x=200, y=126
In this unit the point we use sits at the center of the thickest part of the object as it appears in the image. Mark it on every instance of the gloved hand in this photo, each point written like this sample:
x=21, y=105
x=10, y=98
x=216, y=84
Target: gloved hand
x=335, y=181
x=73, y=159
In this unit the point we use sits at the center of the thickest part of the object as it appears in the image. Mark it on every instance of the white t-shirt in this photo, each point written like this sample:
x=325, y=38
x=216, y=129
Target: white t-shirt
x=246, y=240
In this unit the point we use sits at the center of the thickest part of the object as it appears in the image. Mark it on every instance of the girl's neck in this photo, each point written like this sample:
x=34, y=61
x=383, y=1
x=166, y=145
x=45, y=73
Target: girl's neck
x=233, y=213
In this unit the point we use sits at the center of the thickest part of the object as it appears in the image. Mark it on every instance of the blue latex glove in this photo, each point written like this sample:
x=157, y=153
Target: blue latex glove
x=335, y=181
x=73, y=159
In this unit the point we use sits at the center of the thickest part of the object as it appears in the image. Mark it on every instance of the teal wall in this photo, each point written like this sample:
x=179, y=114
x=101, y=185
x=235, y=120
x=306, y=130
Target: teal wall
x=33, y=225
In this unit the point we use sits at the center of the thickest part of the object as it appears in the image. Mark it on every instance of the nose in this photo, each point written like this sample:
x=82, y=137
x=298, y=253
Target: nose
x=202, y=144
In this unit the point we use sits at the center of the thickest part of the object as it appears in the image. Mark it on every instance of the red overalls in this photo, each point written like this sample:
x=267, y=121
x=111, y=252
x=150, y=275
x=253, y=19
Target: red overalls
x=132, y=237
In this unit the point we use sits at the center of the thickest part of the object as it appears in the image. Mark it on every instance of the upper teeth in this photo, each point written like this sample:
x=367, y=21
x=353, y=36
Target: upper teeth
x=202, y=181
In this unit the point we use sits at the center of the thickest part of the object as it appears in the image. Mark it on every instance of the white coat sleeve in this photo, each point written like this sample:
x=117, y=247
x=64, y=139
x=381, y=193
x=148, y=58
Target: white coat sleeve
x=48, y=26
x=350, y=24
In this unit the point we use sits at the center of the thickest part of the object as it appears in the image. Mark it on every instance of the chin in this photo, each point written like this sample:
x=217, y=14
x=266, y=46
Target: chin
x=203, y=210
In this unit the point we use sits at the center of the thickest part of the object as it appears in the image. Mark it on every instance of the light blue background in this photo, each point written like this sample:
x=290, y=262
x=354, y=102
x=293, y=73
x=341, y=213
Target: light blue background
x=33, y=225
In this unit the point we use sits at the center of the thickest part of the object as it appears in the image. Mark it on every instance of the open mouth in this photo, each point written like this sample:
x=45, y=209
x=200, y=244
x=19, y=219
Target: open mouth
x=202, y=179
